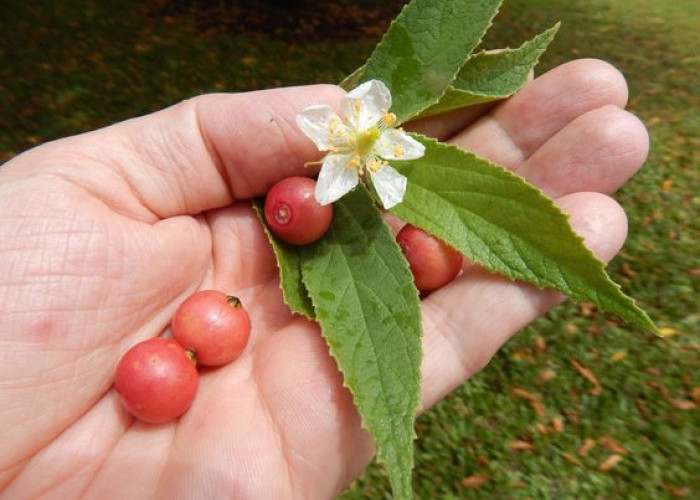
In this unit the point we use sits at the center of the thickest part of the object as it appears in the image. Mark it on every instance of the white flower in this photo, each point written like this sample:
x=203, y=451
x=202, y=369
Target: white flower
x=359, y=143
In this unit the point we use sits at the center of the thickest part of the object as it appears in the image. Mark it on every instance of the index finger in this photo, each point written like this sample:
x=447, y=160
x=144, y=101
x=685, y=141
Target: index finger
x=197, y=155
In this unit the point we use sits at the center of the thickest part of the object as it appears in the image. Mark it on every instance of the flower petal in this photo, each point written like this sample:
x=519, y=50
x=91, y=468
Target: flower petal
x=390, y=186
x=364, y=106
x=396, y=144
x=315, y=122
x=335, y=178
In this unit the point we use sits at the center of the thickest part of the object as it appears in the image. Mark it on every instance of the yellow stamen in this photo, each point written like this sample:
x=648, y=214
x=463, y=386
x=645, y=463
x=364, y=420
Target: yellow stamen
x=354, y=163
x=334, y=127
x=357, y=107
x=388, y=118
x=376, y=165
x=398, y=151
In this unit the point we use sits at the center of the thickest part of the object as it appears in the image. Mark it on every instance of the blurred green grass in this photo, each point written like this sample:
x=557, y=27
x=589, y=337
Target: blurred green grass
x=520, y=428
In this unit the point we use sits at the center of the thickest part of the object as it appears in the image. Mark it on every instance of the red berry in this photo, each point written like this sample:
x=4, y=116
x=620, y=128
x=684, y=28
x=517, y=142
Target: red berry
x=213, y=325
x=433, y=263
x=293, y=214
x=156, y=380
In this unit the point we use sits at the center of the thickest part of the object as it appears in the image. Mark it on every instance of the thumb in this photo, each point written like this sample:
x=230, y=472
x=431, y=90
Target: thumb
x=197, y=155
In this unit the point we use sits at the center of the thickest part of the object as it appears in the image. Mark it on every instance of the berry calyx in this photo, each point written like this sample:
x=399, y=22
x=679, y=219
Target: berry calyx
x=293, y=214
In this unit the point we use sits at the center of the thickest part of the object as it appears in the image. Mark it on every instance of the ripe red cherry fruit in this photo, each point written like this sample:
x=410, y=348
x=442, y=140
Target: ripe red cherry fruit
x=156, y=380
x=433, y=262
x=215, y=326
x=293, y=214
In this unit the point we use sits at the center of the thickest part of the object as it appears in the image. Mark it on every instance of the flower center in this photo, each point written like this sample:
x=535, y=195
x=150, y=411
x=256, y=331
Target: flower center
x=365, y=140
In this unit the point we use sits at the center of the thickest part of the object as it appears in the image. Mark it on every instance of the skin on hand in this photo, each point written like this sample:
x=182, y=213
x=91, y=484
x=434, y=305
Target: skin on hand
x=105, y=233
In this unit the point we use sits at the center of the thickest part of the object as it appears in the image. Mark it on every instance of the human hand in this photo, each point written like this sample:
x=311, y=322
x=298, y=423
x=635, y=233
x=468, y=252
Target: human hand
x=104, y=234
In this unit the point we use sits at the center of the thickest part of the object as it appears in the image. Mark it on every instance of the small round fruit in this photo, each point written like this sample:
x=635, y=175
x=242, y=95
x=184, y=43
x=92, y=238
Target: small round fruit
x=433, y=263
x=156, y=380
x=215, y=326
x=293, y=214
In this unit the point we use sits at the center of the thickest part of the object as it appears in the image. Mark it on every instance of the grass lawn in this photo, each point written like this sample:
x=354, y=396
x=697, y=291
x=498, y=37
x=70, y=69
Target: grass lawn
x=576, y=406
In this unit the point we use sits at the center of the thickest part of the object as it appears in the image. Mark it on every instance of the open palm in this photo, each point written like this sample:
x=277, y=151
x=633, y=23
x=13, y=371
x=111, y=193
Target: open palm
x=104, y=234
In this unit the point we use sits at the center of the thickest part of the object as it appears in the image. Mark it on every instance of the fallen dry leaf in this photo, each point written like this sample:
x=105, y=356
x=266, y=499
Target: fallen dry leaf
x=571, y=415
x=613, y=445
x=594, y=330
x=695, y=394
x=522, y=355
x=586, y=447
x=540, y=345
x=677, y=491
x=664, y=392
x=573, y=394
x=588, y=375
x=557, y=425
x=570, y=458
x=546, y=375
x=643, y=408
x=517, y=445
x=474, y=481
x=532, y=398
x=667, y=331
x=587, y=308
x=682, y=404
x=618, y=356
x=609, y=463
x=626, y=270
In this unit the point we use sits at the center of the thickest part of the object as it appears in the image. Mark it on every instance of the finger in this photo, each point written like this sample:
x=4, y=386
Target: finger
x=598, y=151
x=519, y=126
x=445, y=125
x=460, y=334
x=244, y=265
x=197, y=155
x=242, y=256
x=67, y=464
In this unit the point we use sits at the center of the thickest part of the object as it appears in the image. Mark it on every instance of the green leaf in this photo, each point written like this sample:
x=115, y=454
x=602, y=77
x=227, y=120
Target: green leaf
x=368, y=309
x=289, y=263
x=506, y=225
x=353, y=79
x=489, y=76
x=424, y=48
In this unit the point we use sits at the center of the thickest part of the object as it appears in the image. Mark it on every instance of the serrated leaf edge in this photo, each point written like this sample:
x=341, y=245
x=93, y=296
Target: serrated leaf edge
x=488, y=97
x=275, y=244
x=647, y=323
x=386, y=33
x=551, y=31
x=417, y=401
